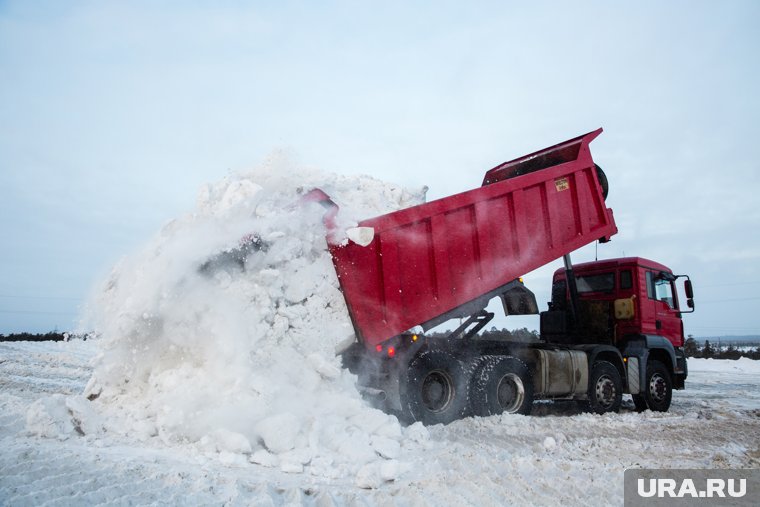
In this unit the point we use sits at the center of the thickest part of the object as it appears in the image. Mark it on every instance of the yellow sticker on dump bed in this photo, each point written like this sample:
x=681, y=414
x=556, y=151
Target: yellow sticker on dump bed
x=561, y=184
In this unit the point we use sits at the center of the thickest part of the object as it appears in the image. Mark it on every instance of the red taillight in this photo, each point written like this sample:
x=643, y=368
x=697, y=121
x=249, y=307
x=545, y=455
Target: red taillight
x=391, y=351
x=379, y=348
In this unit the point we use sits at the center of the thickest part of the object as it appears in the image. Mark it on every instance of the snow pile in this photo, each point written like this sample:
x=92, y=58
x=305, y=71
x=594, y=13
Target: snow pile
x=236, y=357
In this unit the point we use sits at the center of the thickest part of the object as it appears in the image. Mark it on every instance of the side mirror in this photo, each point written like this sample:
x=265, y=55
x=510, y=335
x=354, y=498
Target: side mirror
x=689, y=290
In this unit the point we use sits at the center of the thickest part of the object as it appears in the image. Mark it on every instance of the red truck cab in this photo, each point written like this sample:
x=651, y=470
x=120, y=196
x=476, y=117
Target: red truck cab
x=646, y=290
x=629, y=303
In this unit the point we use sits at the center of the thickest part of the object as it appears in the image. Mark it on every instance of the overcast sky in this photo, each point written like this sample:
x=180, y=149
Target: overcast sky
x=112, y=115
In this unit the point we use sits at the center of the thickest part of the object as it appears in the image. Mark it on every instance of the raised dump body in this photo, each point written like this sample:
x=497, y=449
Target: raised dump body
x=446, y=258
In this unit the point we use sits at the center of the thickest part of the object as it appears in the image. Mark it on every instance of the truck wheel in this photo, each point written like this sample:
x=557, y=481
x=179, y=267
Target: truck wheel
x=472, y=368
x=502, y=384
x=659, y=387
x=434, y=388
x=605, y=393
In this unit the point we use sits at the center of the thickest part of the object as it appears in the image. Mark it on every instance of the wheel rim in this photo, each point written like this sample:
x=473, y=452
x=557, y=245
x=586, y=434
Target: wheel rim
x=510, y=392
x=437, y=391
x=605, y=391
x=658, y=388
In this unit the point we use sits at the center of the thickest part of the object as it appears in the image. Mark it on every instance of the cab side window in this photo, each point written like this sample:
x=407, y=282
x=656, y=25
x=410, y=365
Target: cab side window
x=604, y=282
x=626, y=279
x=650, y=285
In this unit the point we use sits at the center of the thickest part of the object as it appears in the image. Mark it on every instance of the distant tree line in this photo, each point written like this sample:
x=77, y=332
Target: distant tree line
x=516, y=335
x=53, y=336
x=692, y=348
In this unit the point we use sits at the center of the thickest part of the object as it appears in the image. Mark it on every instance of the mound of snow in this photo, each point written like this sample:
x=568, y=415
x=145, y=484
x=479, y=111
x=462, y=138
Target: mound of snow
x=238, y=358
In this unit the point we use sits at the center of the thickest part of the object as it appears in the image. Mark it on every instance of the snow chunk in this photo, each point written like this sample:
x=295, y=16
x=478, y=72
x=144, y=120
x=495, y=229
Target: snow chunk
x=48, y=417
x=418, y=433
x=389, y=470
x=323, y=367
x=373, y=475
x=223, y=440
x=368, y=477
x=362, y=236
x=279, y=432
x=60, y=417
x=386, y=447
x=84, y=418
x=264, y=458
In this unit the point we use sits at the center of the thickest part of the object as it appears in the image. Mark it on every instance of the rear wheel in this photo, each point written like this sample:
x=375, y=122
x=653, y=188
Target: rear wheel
x=605, y=388
x=434, y=388
x=502, y=384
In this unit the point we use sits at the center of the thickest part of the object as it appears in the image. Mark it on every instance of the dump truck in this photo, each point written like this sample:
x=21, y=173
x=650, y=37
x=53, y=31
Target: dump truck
x=612, y=327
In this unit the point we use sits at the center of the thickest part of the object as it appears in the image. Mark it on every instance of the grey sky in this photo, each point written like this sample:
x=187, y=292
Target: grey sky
x=112, y=114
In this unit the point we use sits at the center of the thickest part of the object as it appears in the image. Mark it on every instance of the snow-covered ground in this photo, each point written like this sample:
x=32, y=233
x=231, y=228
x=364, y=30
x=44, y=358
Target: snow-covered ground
x=214, y=380
x=557, y=456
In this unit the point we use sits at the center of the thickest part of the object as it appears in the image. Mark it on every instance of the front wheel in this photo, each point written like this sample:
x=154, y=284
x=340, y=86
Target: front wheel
x=658, y=389
x=605, y=388
x=434, y=388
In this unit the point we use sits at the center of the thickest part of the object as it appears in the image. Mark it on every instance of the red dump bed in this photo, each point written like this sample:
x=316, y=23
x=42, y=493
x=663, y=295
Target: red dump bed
x=427, y=260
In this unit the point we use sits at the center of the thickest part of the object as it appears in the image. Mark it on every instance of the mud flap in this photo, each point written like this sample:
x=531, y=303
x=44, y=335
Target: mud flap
x=634, y=375
x=519, y=300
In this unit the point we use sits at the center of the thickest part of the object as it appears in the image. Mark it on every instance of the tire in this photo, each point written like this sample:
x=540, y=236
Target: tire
x=602, y=181
x=605, y=388
x=434, y=388
x=471, y=369
x=659, y=387
x=501, y=384
x=474, y=369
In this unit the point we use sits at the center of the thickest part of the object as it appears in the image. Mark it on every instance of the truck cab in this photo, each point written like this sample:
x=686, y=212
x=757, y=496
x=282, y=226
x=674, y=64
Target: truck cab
x=631, y=304
x=645, y=292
